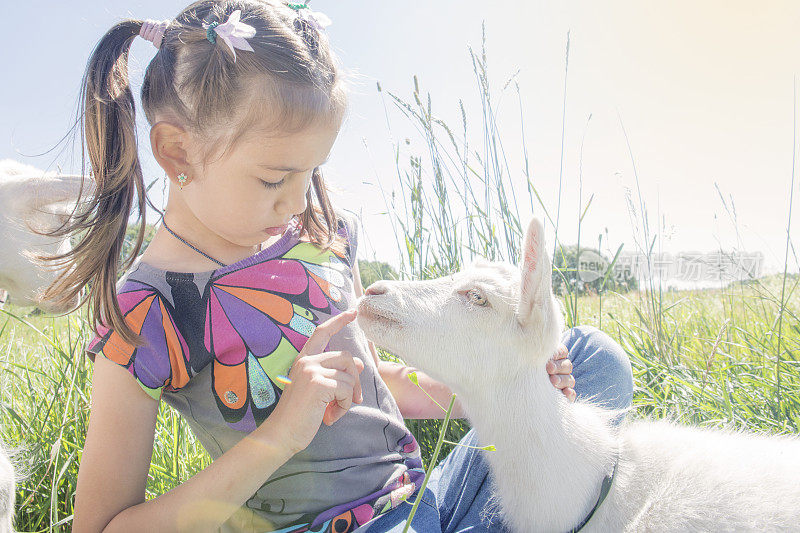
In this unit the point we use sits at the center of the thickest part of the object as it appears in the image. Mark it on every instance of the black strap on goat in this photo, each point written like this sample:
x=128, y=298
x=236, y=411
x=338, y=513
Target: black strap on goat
x=604, y=488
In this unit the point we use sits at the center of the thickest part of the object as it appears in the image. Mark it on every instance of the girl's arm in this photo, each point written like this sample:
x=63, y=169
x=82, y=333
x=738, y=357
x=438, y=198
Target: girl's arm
x=411, y=400
x=112, y=477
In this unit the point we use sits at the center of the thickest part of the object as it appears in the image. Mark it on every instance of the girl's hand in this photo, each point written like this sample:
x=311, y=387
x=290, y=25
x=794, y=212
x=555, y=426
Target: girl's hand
x=560, y=370
x=322, y=388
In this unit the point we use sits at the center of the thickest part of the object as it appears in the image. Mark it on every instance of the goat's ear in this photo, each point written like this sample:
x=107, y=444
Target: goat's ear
x=535, y=283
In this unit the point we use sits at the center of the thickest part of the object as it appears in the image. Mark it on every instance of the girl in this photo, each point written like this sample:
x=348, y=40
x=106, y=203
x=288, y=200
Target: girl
x=250, y=280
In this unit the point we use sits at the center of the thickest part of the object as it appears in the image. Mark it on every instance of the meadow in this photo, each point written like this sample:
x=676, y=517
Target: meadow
x=725, y=357
x=715, y=363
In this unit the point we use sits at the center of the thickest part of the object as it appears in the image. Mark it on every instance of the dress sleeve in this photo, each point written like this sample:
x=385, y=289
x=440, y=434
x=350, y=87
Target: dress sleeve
x=349, y=226
x=163, y=361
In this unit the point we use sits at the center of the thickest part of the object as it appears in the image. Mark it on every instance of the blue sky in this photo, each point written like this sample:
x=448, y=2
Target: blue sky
x=704, y=90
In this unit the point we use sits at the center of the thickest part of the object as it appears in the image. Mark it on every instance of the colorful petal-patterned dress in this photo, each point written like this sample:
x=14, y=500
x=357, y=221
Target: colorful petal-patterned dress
x=216, y=342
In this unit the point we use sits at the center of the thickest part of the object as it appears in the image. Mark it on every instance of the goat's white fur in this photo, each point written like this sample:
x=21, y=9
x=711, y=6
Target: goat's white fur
x=7, y=491
x=32, y=198
x=552, y=454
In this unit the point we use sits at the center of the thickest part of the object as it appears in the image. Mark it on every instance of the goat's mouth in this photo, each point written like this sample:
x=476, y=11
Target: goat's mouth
x=371, y=315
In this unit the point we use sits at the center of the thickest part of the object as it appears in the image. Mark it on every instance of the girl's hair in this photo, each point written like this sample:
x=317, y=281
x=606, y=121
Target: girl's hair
x=291, y=79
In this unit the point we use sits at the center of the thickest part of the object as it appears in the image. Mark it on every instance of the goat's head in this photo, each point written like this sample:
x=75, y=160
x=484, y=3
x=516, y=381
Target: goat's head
x=31, y=199
x=480, y=324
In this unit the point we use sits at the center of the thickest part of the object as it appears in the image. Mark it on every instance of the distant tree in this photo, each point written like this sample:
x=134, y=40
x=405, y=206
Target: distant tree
x=130, y=239
x=372, y=271
x=588, y=275
x=127, y=245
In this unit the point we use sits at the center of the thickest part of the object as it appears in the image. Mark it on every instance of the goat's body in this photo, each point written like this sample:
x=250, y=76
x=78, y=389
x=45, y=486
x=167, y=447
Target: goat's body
x=696, y=479
x=552, y=456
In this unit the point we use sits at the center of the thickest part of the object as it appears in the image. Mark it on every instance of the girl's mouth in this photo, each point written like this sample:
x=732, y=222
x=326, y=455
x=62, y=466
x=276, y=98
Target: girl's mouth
x=276, y=230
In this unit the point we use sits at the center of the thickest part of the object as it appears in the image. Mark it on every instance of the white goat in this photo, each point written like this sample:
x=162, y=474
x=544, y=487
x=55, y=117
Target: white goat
x=7, y=492
x=487, y=333
x=43, y=200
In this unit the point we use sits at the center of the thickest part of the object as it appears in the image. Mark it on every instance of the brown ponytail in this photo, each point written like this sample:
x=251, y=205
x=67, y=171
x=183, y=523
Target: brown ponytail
x=108, y=129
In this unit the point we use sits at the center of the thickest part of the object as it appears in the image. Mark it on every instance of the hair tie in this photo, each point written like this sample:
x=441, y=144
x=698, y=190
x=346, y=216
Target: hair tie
x=211, y=35
x=153, y=31
x=317, y=19
x=232, y=31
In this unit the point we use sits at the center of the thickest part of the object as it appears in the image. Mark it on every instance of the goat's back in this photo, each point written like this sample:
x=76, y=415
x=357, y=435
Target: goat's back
x=679, y=477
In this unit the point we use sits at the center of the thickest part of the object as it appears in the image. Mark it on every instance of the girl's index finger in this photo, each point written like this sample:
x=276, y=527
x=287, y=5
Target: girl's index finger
x=318, y=340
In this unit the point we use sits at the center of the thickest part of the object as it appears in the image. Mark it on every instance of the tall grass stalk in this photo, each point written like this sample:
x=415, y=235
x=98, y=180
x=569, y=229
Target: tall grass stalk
x=788, y=242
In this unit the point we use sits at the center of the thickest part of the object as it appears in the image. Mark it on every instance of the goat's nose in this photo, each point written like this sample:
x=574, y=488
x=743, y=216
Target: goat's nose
x=376, y=288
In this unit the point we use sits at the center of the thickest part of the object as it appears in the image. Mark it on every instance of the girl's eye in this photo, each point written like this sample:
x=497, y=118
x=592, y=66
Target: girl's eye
x=272, y=185
x=276, y=184
x=475, y=297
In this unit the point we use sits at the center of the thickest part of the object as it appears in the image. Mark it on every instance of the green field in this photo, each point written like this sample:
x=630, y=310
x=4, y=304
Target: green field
x=715, y=362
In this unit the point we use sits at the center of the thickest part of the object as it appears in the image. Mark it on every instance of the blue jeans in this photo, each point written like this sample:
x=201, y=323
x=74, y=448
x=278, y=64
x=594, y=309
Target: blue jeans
x=460, y=485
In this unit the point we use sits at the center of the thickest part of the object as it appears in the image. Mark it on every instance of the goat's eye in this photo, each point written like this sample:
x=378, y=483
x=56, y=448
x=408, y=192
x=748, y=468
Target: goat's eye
x=475, y=297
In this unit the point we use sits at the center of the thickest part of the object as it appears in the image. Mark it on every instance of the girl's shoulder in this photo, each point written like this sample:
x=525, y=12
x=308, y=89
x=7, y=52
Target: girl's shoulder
x=148, y=309
x=346, y=219
x=348, y=227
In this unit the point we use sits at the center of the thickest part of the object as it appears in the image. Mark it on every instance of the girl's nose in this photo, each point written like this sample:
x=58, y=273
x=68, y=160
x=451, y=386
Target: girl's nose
x=291, y=204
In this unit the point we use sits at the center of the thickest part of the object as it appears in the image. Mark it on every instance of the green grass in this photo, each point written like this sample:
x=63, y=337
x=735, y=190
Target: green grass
x=46, y=394
x=718, y=369
x=725, y=357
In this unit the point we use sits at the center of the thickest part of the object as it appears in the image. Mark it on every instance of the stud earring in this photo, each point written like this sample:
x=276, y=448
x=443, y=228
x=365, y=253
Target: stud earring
x=181, y=179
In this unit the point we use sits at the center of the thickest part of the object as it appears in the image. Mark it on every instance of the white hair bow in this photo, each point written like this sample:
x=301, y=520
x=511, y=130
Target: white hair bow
x=233, y=32
x=317, y=19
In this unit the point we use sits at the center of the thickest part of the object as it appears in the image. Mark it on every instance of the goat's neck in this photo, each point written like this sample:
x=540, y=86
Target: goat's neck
x=551, y=455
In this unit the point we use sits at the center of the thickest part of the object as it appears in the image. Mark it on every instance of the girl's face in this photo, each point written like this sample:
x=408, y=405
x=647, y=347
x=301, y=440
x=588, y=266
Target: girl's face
x=261, y=183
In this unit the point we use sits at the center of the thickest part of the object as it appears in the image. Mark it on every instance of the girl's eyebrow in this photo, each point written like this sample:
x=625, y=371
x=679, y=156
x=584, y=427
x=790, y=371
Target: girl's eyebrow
x=291, y=169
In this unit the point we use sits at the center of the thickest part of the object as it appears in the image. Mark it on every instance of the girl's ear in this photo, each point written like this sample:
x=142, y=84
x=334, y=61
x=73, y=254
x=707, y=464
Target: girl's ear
x=535, y=277
x=167, y=141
